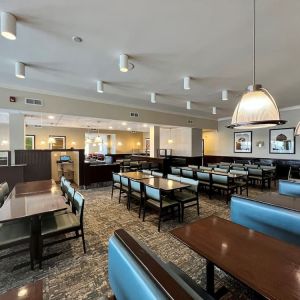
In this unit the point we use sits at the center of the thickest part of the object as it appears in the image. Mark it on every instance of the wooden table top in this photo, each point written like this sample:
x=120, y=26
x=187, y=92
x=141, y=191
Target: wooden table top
x=27, y=202
x=273, y=198
x=267, y=265
x=136, y=175
x=164, y=184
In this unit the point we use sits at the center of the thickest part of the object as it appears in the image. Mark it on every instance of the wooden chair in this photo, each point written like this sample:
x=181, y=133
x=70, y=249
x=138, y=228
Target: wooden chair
x=176, y=171
x=53, y=225
x=259, y=175
x=173, y=177
x=162, y=204
x=223, y=183
x=135, y=192
x=124, y=187
x=116, y=183
x=204, y=180
x=241, y=182
x=187, y=173
x=157, y=174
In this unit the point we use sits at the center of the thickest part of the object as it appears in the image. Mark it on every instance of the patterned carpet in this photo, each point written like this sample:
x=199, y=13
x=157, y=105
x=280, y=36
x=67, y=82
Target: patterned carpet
x=73, y=275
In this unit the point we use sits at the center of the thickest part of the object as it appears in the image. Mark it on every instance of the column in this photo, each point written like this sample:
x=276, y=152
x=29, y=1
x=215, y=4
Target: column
x=196, y=142
x=154, y=140
x=16, y=134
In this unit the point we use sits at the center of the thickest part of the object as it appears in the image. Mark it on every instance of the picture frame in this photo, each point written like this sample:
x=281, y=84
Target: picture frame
x=242, y=142
x=30, y=142
x=59, y=142
x=282, y=141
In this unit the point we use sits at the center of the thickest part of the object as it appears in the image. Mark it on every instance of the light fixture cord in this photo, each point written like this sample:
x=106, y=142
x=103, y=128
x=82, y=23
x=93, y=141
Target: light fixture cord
x=253, y=42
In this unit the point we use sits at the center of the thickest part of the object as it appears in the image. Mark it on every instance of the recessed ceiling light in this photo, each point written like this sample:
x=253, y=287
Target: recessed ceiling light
x=214, y=110
x=186, y=83
x=153, y=97
x=188, y=105
x=8, y=26
x=77, y=39
x=20, y=70
x=224, y=95
x=124, y=123
x=51, y=117
x=100, y=86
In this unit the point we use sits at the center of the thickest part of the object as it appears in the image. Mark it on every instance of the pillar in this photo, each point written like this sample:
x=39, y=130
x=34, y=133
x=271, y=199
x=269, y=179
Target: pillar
x=16, y=134
x=154, y=140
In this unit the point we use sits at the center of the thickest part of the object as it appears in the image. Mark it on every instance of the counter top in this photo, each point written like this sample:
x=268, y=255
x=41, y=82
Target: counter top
x=18, y=165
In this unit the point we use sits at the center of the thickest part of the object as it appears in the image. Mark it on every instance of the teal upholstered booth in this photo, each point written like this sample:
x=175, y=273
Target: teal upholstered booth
x=280, y=223
x=136, y=273
x=289, y=188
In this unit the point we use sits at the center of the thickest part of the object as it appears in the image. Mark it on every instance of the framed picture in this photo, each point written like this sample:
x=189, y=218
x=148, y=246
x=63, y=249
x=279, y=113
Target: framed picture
x=282, y=141
x=243, y=142
x=147, y=145
x=57, y=142
x=30, y=142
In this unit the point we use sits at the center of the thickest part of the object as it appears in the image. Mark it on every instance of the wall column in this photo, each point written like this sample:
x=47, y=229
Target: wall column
x=154, y=140
x=196, y=142
x=16, y=134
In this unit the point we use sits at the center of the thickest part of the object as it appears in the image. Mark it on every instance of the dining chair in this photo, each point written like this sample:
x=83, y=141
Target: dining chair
x=204, y=179
x=124, y=187
x=176, y=171
x=148, y=172
x=173, y=177
x=225, y=184
x=157, y=174
x=135, y=192
x=116, y=183
x=193, y=166
x=188, y=196
x=134, y=165
x=202, y=168
x=5, y=188
x=241, y=182
x=53, y=225
x=161, y=203
x=154, y=166
x=15, y=233
x=259, y=175
x=187, y=173
x=64, y=186
x=222, y=170
x=2, y=198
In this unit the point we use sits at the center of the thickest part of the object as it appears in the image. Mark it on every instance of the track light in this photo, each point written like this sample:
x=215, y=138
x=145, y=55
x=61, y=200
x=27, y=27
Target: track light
x=123, y=63
x=186, y=83
x=214, y=110
x=100, y=86
x=20, y=70
x=224, y=95
x=153, y=97
x=188, y=105
x=8, y=26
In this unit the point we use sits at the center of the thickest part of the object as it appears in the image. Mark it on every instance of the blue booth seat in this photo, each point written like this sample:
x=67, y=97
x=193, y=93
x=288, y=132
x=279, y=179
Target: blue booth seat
x=289, y=188
x=277, y=222
x=130, y=276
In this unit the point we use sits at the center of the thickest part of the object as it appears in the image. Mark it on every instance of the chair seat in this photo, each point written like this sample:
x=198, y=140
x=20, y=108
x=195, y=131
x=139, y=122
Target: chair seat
x=51, y=224
x=136, y=195
x=13, y=232
x=117, y=185
x=165, y=203
x=185, y=196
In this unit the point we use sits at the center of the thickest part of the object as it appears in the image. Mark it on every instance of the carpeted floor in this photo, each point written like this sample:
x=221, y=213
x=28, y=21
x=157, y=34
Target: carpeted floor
x=73, y=275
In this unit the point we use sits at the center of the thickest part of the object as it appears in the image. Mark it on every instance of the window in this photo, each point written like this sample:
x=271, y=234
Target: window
x=30, y=142
x=57, y=142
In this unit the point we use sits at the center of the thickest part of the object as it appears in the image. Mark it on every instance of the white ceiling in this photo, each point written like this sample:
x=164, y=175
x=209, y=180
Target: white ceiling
x=209, y=40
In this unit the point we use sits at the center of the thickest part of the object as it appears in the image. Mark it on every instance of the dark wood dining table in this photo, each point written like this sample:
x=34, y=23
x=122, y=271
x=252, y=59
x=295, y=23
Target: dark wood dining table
x=267, y=265
x=164, y=184
x=31, y=200
x=135, y=175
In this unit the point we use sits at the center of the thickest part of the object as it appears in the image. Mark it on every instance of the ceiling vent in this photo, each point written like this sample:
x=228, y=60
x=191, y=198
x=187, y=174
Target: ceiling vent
x=134, y=115
x=34, y=101
x=190, y=121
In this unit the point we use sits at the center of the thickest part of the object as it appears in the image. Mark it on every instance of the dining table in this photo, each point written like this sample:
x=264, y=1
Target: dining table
x=267, y=265
x=167, y=185
x=31, y=200
x=136, y=175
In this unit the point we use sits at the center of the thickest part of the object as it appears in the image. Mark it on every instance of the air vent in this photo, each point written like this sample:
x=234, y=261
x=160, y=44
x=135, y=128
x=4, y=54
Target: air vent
x=190, y=121
x=134, y=115
x=34, y=101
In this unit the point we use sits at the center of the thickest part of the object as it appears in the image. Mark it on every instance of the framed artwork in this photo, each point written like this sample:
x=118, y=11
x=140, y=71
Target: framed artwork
x=30, y=142
x=243, y=142
x=282, y=141
x=147, y=145
x=57, y=142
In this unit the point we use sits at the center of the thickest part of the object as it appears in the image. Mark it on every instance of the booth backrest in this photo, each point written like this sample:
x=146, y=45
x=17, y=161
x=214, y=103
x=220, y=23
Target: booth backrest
x=135, y=273
x=280, y=223
x=289, y=188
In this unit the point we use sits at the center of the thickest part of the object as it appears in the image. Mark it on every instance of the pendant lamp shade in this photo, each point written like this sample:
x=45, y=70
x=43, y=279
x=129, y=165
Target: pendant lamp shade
x=297, y=130
x=256, y=109
x=8, y=26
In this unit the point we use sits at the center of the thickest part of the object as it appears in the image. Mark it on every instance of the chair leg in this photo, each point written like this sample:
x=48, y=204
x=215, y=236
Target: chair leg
x=182, y=211
x=112, y=191
x=40, y=252
x=83, y=241
x=159, y=220
x=120, y=196
x=198, y=207
x=144, y=213
x=140, y=208
x=31, y=255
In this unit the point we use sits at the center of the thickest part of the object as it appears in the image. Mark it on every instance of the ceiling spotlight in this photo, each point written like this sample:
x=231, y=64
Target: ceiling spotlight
x=224, y=95
x=214, y=110
x=123, y=63
x=20, y=70
x=153, y=97
x=51, y=117
x=100, y=86
x=77, y=39
x=188, y=105
x=8, y=26
x=186, y=83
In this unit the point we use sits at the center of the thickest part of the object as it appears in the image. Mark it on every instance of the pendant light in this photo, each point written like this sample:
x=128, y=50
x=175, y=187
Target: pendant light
x=153, y=97
x=186, y=83
x=297, y=130
x=123, y=63
x=257, y=108
x=20, y=70
x=188, y=105
x=170, y=140
x=8, y=26
x=100, y=88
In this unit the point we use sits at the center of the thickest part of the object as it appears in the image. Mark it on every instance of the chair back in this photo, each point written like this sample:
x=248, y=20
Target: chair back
x=175, y=171
x=78, y=205
x=235, y=165
x=187, y=173
x=203, y=176
x=173, y=177
x=223, y=170
x=5, y=189
x=65, y=185
x=239, y=172
x=134, y=164
x=2, y=198
x=152, y=193
x=193, y=166
x=147, y=172
x=255, y=171
x=116, y=177
x=222, y=163
x=135, y=185
x=126, y=162
x=219, y=179
x=202, y=168
x=193, y=184
x=212, y=166
x=124, y=181
x=238, y=168
x=145, y=165
x=70, y=194
x=251, y=166
x=157, y=174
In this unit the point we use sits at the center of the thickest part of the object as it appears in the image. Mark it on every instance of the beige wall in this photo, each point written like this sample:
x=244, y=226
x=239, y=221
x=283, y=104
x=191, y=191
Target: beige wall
x=128, y=140
x=221, y=142
x=4, y=136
